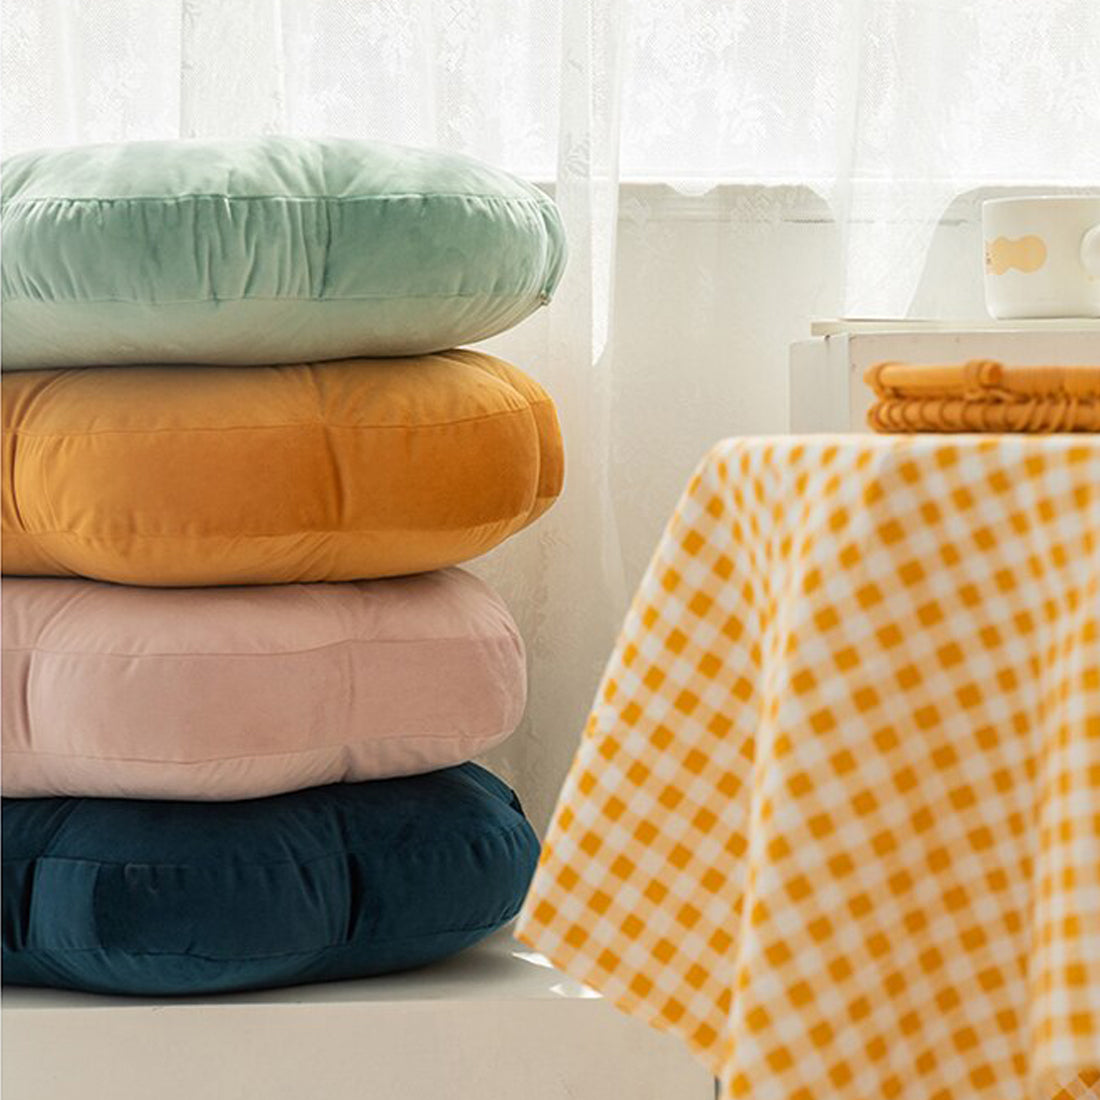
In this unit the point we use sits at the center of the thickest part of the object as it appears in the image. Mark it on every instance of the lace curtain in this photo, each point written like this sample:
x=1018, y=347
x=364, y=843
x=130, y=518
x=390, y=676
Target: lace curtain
x=888, y=109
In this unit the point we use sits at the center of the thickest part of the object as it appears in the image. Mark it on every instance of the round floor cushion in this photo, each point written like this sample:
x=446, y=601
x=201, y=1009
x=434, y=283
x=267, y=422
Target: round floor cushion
x=333, y=471
x=119, y=896
x=265, y=250
x=218, y=693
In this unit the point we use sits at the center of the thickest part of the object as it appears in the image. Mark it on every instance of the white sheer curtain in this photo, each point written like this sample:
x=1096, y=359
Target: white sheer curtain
x=888, y=109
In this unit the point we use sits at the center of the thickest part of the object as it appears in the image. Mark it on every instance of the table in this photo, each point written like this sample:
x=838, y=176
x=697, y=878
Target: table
x=835, y=817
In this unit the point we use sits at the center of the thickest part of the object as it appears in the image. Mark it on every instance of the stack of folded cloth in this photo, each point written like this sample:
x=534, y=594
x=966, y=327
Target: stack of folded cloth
x=983, y=396
x=243, y=680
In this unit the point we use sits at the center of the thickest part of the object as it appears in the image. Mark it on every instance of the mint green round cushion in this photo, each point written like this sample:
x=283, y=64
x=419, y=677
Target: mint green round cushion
x=269, y=250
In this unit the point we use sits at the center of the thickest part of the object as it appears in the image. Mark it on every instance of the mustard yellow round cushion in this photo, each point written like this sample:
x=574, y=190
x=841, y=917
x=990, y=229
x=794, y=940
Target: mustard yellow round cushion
x=330, y=471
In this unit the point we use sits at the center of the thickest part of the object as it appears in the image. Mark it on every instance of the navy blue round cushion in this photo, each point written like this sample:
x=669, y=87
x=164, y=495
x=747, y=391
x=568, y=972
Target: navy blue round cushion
x=117, y=896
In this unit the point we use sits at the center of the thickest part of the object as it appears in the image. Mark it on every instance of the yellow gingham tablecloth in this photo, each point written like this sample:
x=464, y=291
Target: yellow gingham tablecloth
x=835, y=818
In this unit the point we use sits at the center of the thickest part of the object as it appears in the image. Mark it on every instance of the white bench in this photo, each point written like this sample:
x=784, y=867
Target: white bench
x=495, y=1023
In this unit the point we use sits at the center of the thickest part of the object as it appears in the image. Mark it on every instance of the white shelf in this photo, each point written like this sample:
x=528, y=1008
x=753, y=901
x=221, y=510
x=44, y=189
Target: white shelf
x=832, y=326
x=827, y=391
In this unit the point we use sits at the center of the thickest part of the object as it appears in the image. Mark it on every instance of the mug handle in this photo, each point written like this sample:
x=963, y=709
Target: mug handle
x=1090, y=250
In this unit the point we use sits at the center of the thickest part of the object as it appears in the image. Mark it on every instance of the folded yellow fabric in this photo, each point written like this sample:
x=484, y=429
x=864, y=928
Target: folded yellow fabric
x=984, y=396
x=328, y=471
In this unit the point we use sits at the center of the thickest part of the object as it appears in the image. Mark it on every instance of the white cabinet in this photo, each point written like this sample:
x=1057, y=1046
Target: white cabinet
x=827, y=391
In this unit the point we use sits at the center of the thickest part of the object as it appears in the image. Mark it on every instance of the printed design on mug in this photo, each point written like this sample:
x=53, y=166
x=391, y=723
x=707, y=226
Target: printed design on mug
x=1026, y=254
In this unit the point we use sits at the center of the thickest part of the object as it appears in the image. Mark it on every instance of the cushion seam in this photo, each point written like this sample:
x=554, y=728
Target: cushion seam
x=343, y=853
x=542, y=202
x=337, y=746
x=518, y=296
x=527, y=406
x=464, y=638
x=187, y=536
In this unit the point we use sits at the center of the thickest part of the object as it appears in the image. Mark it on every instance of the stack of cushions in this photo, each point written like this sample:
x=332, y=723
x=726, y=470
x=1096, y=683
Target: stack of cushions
x=243, y=681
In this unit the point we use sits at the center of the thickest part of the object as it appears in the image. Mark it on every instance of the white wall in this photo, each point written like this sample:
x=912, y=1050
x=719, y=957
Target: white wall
x=711, y=292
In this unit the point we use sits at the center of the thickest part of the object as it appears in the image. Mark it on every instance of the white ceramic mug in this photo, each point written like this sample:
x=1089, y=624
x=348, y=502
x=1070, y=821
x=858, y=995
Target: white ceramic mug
x=1042, y=256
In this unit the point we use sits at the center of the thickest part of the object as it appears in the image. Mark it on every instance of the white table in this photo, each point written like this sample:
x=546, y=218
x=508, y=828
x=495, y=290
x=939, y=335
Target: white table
x=827, y=391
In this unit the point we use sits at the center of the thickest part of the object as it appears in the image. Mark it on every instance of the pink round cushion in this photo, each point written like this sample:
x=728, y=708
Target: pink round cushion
x=225, y=693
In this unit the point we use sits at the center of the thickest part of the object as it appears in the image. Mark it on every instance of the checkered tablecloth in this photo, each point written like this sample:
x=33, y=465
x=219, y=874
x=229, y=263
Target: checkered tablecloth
x=835, y=818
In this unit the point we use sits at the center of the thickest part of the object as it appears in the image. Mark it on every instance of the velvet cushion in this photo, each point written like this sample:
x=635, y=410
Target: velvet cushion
x=117, y=896
x=221, y=693
x=334, y=471
x=266, y=250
